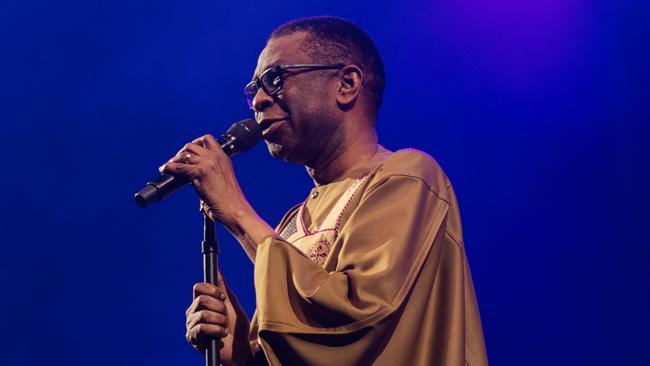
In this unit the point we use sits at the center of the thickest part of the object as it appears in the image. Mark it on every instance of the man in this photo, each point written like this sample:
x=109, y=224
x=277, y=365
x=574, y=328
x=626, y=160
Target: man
x=371, y=268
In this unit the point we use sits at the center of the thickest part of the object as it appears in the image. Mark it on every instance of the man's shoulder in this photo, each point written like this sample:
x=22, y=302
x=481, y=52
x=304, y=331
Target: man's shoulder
x=415, y=164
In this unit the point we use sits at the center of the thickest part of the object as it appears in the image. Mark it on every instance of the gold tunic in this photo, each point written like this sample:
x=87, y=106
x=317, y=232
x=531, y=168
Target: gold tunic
x=370, y=270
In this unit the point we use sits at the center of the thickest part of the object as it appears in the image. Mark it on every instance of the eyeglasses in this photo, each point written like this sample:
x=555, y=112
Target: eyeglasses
x=271, y=80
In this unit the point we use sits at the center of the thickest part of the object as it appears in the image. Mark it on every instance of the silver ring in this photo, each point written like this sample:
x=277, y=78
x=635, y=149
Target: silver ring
x=186, y=157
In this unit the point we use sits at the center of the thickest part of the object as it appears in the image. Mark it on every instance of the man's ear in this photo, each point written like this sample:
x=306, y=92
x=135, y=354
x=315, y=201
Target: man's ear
x=351, y=79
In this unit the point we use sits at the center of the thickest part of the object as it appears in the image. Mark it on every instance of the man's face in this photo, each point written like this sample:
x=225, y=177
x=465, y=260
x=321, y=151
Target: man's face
x=306, y=104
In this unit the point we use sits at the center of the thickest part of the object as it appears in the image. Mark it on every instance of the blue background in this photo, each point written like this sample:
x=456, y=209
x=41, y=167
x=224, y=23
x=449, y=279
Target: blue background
x=537, y=110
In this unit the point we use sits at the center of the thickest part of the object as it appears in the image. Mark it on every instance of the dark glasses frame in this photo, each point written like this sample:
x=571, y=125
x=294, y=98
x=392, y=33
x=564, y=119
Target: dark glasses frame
x=276, y=72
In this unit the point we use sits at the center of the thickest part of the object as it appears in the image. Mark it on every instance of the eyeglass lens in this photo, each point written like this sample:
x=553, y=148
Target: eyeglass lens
x=271, y=82
x=250, y=92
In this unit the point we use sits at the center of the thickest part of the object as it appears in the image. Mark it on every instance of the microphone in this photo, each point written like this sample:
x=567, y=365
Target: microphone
x=240, y=137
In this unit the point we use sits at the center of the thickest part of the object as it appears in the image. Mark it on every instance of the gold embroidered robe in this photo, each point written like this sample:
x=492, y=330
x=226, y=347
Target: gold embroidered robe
x=389, y=284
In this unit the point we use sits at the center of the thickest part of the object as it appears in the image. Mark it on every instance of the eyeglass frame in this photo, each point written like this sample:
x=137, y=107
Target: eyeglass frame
x=280, y=69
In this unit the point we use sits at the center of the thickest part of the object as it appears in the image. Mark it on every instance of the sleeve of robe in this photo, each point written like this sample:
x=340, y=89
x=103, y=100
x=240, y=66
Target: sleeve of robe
x=308, y=315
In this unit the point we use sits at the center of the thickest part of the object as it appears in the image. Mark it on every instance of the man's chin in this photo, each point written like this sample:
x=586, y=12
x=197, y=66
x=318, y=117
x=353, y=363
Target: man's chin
x=276, y=150
x=282, y=152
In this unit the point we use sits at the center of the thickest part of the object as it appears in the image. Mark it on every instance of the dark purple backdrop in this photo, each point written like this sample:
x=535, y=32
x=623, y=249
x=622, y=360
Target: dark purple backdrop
x=537, y=110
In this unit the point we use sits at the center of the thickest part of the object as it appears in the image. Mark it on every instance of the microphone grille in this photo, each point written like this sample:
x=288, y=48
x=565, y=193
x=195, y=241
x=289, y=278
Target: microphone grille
x=247, y=132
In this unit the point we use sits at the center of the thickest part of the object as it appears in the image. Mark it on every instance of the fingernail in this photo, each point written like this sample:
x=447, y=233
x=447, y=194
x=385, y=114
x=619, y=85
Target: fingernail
x=222, y=296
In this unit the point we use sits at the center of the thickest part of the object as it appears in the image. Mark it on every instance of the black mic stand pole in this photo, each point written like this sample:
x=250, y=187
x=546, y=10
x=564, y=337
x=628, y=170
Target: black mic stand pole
x=210, y=251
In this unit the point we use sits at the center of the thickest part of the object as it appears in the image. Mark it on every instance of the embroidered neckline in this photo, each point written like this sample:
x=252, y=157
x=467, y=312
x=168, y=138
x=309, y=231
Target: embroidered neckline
x=351, y=191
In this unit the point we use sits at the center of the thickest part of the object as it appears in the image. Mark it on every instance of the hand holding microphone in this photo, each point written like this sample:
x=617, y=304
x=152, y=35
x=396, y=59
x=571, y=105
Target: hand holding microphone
x=203, y=163
x=241, y=136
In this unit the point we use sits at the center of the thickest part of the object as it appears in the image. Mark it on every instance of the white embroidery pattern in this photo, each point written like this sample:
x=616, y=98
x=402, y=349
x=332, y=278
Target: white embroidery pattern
x=317, y=245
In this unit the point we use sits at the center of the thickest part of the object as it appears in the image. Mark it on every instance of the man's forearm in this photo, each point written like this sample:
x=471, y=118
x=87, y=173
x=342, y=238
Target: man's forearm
x=250, y=230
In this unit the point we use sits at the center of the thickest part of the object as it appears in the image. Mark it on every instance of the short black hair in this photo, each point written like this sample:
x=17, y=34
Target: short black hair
x=337, y=40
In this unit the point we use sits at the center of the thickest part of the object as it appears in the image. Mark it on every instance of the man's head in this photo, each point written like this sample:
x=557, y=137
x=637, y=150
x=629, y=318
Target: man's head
x=314, y=102
x=332, y=40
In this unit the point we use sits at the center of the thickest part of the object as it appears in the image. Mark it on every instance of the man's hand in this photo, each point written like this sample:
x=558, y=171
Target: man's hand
x=210, y=170
x=206, y=317
x=214, y=314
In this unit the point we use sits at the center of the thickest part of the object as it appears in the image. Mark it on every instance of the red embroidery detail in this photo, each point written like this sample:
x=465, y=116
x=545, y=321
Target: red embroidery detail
x=319, y=251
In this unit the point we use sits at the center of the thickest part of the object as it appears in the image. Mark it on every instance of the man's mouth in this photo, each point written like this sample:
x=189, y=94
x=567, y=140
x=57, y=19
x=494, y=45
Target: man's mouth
x=272, y=128
x=267, y=122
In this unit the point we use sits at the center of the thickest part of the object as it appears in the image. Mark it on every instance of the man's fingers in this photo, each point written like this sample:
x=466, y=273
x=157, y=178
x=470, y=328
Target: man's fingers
x=175, y=168
x=192, y=147
x=188, y=153
x=210, y=143
x=205, y=302
x=191, y=153
x=202, y=333
x=206, y=317
x=185, y=157
x=221, y=284
x=204, y=288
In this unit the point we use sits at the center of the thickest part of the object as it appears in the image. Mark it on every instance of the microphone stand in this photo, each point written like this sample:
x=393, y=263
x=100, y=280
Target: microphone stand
x=210, y=251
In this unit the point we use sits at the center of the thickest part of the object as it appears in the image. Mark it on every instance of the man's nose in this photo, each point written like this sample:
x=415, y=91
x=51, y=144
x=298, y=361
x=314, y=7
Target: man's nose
x=261, y=100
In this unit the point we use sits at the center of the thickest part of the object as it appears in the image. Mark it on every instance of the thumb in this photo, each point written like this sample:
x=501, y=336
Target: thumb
x=221, y=283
